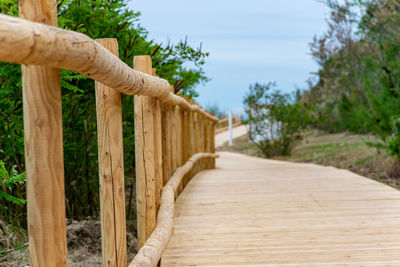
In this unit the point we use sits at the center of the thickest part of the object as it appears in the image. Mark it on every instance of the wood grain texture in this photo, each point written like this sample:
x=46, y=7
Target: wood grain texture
x=27, y=42
x=149, y=255
x=213, y=144
x=145, y=164
x=257, y=212
x=179, y=141
x=43, y=150
x=186, y=143
x=192, y=140
x=111, y=169
x=174, y=140
x=158, y=154
x=166, y=142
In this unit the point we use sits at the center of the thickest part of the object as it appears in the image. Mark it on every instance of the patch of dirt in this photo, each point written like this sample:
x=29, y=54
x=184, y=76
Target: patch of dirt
x=84, y=245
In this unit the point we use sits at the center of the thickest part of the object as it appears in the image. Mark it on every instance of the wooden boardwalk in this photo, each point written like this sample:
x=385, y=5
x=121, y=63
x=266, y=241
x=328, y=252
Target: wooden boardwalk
x=255, y=212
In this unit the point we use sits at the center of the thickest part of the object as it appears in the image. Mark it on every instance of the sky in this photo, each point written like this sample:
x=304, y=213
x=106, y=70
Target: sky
x=249, y=41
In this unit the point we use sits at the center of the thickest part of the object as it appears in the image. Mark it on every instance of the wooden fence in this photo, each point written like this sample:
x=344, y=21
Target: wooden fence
x=174, y=137
x=223, y=124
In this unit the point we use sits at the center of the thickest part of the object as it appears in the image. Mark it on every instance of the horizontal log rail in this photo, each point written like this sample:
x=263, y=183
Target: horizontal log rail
x=174, y=137
x=31, y=43
x=223, y=124
x=151, y=252
x=226, y=128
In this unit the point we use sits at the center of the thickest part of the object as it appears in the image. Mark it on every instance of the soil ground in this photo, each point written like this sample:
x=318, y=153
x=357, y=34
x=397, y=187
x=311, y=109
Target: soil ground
x=84, y=245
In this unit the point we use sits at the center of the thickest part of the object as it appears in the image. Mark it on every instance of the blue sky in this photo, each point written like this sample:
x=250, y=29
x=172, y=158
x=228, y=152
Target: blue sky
x=249, y=41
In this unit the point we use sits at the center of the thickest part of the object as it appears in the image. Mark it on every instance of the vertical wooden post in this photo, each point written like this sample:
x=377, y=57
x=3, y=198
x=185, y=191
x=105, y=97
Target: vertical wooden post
x=186, y=142
x=111, y=169
x=174, y=139
x=213, y=143
x=210, y=137
x=167, y=139
x=192, y=139
x=179, y=140
x=206, y=141
x=158, y=148
x=196, y=140
x=202, y=140
x=144, y=156
x=44, y=150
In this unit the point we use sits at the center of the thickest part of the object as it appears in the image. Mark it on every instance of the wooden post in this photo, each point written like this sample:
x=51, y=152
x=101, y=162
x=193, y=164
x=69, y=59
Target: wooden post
x=192, y=140
x=196, y=140
x=179, y=141
x=111, y=169
x=174, y=139
x=210, y=138
x=213, y=143
x=166, y=142
x=44, y=150
x=202, y=140
x=206, y=141
x=144, y=155
x=158, y=148
x=186, y=142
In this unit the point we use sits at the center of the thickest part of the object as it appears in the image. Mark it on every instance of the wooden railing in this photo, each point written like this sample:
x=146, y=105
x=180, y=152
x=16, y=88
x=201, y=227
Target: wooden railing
x=174, y=137
x=223, y=124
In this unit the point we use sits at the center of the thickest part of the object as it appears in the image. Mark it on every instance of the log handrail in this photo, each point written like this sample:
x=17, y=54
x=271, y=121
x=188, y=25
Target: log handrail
x=222, y=124
x=32, y=43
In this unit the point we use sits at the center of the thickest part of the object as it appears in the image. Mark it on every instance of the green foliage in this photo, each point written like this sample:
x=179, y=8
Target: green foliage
x=275, y=119
x=179, y=63
x=218, y=112
x=393, y=144
x=357, y=87
x=8, y=181
x=12, y=195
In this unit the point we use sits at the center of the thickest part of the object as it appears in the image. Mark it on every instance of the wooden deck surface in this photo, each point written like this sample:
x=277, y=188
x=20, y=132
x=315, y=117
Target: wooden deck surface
x=256, y=212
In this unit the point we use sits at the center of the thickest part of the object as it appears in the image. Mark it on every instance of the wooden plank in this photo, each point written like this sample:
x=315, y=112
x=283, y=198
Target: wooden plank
x=261, y=212
x=145, y=155
x=44, y=150
x=111, y=169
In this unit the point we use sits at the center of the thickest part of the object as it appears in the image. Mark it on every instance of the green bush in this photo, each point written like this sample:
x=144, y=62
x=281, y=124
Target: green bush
x=393, y=143
x=275, y=119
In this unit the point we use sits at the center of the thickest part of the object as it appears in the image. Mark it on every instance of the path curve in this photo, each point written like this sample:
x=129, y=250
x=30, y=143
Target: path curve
x=257, y=212
x=223, y=137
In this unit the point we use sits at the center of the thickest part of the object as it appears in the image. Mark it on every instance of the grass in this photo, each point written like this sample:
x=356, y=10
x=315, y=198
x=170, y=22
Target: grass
x=341, y=150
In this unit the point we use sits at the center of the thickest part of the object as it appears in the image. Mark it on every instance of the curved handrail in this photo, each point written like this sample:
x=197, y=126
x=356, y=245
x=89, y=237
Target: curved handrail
x=150, y=253
x=27, y=42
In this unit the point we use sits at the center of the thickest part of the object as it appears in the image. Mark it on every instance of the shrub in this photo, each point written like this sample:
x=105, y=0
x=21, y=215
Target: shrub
x=275, y=119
